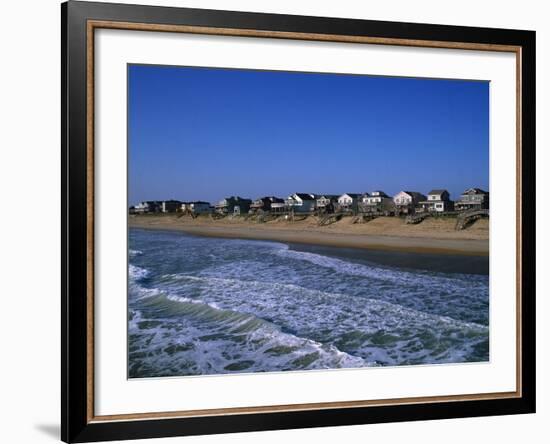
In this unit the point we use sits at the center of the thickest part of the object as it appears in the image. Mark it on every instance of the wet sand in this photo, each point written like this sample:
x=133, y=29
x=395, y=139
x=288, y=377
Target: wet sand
x=405, y=260
x=436, y=235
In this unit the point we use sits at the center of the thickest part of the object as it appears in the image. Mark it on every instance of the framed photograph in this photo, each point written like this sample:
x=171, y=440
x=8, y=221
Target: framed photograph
x=276, y=221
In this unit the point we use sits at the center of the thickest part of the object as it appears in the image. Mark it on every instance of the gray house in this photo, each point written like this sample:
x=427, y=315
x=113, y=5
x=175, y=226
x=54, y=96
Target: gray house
x=196, y=207
x=301, y=202
x=376, y=201
x=473, y=199
x=327, y=202
x=170, y=206
x=267, y=203
x=233, y=205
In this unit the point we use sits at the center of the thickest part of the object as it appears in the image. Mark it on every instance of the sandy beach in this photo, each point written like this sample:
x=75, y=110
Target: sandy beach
x=433, y=235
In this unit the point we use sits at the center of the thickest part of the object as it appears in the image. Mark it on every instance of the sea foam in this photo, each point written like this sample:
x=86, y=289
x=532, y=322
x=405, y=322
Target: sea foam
x=208, y=306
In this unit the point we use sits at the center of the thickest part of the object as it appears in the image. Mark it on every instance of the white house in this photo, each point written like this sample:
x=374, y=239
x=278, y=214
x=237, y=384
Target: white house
x=348, y=201
x=301, y=202
x=376, y=198
x=364, y=198
x=278, y=206
x=438, y=201
x=408, y=199
x=376, y=201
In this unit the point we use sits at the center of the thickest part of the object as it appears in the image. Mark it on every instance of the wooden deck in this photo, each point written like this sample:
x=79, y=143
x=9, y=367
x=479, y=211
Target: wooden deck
x=416, y=218
x=468, y=217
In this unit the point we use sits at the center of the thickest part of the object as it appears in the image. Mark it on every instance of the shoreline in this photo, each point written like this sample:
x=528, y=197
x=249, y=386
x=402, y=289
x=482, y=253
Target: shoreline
x=310, y=236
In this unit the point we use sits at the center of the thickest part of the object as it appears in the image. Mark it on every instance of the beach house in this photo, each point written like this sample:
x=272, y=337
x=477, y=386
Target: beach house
x=376, y=201
x=267, y=203
x=170, y=206
x=406, y=201
x=233, y=205
x=148, y=206
x=348, y=201
x=438, y=201
x=326, y=203
x=222, y=207
x=301, y=202
x=278, y=206
x=473, y=199
x=198, y=206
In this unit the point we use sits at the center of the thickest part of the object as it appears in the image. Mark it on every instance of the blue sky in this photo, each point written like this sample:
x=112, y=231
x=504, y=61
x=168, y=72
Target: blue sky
x=203, y=134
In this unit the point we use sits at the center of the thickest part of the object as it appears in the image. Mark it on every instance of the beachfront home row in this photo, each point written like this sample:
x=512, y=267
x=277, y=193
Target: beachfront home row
x=404, y=202
x=439, y=201
x=169, y=206
x=470, y=199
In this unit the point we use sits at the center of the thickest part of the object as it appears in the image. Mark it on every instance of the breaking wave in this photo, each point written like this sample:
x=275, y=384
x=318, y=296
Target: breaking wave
x=210, y=306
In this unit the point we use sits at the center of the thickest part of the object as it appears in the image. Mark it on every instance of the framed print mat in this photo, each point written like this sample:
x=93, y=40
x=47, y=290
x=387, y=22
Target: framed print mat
x=280, y=221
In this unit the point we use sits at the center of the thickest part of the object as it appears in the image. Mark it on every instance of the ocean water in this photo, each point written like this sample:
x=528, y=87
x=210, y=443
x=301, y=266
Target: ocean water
x=199, y=305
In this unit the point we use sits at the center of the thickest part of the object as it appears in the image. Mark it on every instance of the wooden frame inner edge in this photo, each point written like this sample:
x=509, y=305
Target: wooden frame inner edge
x=94, y=24
x=90, y=338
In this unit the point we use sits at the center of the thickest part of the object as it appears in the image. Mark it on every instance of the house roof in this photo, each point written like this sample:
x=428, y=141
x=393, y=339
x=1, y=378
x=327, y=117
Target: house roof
x=475, y=191
x=417, y=195
x=328, y=196
x=352, y=195
x=244, y=199
x=305, y=196
x=199, y=202
x=414, y=194
x=437, y=192
x=380, y=193
x=270, y=199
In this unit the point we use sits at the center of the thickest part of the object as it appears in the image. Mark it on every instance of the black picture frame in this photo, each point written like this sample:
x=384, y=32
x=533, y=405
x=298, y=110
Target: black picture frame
x=76, y=424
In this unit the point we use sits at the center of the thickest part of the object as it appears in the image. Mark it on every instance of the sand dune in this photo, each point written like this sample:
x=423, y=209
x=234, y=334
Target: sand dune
x=437, y=235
